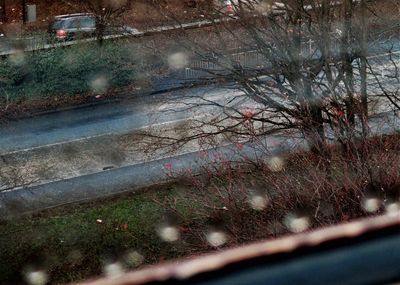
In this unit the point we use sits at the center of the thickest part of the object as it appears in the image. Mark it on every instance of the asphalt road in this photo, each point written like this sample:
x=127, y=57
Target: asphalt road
x=111, y=118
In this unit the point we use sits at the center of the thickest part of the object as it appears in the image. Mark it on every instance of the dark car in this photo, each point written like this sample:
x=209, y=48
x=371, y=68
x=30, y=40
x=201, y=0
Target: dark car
x=72, y=27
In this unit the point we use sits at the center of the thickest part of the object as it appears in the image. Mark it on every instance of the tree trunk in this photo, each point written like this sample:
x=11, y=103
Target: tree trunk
x=348, y=64
x=100, y=31
x=314, y=121
x=23, y=11
x=314, y=131
x=3, y=16
x=363, y=70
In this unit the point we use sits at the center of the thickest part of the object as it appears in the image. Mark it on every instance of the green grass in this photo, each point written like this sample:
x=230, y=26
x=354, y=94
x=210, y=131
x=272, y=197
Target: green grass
x=52, y=238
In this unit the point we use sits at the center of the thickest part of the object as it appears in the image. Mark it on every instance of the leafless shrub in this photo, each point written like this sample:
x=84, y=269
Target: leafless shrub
x=254, y=201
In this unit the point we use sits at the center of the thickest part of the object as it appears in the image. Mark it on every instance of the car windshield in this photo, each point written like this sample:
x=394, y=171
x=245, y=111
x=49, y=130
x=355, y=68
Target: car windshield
x=138, y=132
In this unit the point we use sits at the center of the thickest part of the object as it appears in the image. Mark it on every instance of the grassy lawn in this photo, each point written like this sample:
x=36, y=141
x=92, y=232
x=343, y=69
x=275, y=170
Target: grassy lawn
x=72, y=243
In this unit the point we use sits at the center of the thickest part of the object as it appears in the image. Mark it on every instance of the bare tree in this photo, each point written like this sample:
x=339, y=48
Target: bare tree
x=312, y=65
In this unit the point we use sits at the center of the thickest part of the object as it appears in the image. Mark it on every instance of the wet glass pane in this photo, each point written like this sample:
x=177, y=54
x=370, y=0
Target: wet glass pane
x=135, y=133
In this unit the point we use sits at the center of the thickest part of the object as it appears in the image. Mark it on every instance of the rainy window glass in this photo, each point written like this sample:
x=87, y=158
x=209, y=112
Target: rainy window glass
x=146, y=133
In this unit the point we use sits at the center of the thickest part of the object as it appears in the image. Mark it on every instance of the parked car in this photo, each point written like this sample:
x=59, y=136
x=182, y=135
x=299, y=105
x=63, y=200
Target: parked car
x=82, y=25
x=73, y=26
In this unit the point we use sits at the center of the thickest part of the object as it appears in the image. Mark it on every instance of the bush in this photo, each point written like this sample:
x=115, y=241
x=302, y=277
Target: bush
x=254, y=200
x=66, y=71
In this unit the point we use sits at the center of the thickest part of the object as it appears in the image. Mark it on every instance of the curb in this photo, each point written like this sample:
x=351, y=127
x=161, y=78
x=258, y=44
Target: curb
x=131, y=178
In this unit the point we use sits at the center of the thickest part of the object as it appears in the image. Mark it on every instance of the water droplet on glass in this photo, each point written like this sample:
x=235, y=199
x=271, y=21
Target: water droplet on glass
x=169, y=233
x=113, y=270
x=134, y=259
x=275, y=164
x=178, y=60
x=258, y=201
x=264, y=7
x=392, y=208
x=371, y=204
x=36, y=277
x=216, y=238
x=297, y=223
x=99, y=85
x=17, y=57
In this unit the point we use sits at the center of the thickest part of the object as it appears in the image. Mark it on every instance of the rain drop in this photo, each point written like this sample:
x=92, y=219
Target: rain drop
x=99, y=85
x=371, y=204
x=113, y=270
x=264, y=7
x=168, y=233
x=36, y=277
x=392, y=208
x=216, y=238
x=17, y=57
x=134, y=259
x=258, y=201
x=275, y=164
x=297, y=223
x=178, y=60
